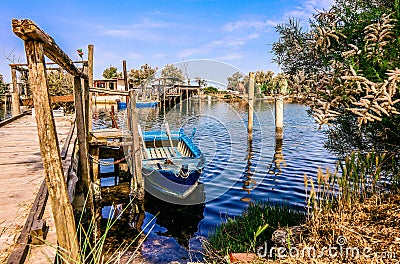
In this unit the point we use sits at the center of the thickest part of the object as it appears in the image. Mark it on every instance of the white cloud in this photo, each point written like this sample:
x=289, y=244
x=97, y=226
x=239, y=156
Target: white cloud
x=134, y=55
x=308, y=8
x=232, y=56
x=260, y=24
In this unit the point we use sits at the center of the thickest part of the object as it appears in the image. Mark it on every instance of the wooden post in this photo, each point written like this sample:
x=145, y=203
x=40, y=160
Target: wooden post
x=82, y=135
x=279, y=117
x=90, y=76
x=137, y=154
x=49, y=148
x=15, y=93
x=87, y=106
x=5, y=106
x=251, y=109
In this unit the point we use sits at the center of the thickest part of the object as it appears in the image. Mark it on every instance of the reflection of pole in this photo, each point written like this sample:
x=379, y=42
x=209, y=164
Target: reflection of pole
x=279, y=116
x=251, y=109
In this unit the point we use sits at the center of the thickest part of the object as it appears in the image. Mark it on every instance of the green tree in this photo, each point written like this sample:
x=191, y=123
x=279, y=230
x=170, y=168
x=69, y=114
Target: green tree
x=61, y=83
x=235, y=82
x=111, y=73
x=144, y=74
x=210, y=90
x=263, y=80
x=172, y=74
x=4, y=88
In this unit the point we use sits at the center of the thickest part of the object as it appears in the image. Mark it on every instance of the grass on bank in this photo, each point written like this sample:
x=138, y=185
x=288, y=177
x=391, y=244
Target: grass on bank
x=250, y=230
x=360, y=204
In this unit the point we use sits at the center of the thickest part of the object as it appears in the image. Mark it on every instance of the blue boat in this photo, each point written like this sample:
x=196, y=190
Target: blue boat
x=143, y=104
x=139, y=104
x=171, y=164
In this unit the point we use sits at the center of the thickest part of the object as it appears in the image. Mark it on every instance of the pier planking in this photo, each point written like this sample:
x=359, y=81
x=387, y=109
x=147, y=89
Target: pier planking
x=21, y=176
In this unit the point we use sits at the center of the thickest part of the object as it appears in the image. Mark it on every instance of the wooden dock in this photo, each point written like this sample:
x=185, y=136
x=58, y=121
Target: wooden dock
x=21, y=177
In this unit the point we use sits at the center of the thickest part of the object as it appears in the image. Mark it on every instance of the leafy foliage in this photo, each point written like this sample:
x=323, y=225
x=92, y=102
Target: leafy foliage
x=61, y=83
x=236, y=82
x=111, y=72
x=346, y=64
x=210, y=90
x=3, y=86
x=240, y=234
x=145, y=73
x=172, y=73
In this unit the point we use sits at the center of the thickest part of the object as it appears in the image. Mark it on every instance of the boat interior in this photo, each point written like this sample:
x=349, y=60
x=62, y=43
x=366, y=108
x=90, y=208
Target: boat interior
x=162, y=149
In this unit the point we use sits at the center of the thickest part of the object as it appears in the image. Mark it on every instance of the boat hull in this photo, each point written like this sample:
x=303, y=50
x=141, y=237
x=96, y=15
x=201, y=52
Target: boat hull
x=168, y=183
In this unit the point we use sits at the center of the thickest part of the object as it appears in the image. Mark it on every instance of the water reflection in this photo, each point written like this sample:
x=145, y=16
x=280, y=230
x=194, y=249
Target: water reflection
x=236, y=172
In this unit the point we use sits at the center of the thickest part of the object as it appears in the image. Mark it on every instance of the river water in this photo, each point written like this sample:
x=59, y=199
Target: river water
x=235, y=174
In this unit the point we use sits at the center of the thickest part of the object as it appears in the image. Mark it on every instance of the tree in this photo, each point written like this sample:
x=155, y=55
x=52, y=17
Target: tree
x=144, y=74
x=263, y=80
x=111, y=73
x=235, y=82
x=61, y=83
x=348, y=65
x=4, y=88
x=172, y=74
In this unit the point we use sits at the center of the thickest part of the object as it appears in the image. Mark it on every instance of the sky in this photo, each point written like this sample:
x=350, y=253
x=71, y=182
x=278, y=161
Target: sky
x=237, y=33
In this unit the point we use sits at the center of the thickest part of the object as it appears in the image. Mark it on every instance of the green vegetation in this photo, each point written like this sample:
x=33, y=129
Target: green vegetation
x=210, y=90
x=255, y=226
x=173, y=74
x=111, y=73
x=3, y=86
x=144, y=74
x=61, y=83
x=347, y=66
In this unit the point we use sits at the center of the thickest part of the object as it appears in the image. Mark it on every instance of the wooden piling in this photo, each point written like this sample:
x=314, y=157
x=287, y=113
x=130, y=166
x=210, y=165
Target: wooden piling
x=279, y=117
x=136, y=154
x=49, y=148
x=82, y=135
x=15, y=93
x=90, y=76
x=251, y=109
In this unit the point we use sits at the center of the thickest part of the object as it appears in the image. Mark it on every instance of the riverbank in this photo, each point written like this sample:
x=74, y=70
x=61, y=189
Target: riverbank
x=352, y=217
x=366, y=232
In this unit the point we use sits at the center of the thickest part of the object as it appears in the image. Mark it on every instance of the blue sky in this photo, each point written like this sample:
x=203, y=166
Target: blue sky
x=239, y=33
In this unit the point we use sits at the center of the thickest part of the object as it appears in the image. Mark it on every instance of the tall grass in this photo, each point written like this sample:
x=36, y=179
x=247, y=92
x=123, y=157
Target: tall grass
x=356, y=178
x=93, y=251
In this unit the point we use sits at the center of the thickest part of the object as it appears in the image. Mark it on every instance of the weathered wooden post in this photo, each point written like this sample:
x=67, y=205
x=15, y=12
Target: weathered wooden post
x=90, y=76
x=49, y=148
x=15, y=93
x=251, y=109
x=279, y=116
x=87, y=106
x=82, y=135
x=136, y=153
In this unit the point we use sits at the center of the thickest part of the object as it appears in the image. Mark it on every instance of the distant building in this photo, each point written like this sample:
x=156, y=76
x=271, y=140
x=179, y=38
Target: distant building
x=111, y=84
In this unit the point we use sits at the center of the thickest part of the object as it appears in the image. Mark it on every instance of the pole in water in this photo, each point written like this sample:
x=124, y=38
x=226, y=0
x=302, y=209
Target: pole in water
x=279, y=117
x=251, y=109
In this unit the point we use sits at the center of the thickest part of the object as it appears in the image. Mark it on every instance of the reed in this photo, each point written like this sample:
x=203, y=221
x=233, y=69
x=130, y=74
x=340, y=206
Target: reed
x=356, y=178
x=94, y=252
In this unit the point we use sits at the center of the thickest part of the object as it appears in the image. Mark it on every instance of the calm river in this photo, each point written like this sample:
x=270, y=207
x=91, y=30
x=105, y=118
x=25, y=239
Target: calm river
x=235, y=173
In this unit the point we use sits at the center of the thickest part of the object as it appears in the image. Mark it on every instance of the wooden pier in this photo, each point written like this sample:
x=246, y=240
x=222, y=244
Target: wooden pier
x=21, y=180
x=43, y=157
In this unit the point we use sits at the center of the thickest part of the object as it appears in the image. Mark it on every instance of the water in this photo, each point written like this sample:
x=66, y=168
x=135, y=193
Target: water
x=236, y=173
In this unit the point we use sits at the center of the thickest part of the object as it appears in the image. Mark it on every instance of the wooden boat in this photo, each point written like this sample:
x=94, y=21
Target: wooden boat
x=171, y=164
